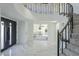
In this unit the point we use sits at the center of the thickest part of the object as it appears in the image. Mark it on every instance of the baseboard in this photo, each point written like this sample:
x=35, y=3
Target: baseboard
x=7, y=47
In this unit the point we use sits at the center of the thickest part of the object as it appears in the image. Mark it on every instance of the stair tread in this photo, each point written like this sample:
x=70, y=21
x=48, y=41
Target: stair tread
x=69, y=52
x=62, y=54
x=75, y=37
x=73, y=47
x=76, y=29
x=76, y=26
x=75, y=34
x=76, y=22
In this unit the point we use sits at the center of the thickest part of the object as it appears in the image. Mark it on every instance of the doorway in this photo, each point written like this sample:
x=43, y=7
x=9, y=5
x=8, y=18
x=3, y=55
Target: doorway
x=8, y=33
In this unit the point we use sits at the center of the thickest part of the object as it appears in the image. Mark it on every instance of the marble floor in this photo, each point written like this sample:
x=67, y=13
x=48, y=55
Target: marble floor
x=23, y=50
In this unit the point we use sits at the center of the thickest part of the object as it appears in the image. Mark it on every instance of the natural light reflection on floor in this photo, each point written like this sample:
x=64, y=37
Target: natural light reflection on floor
x=20, y=50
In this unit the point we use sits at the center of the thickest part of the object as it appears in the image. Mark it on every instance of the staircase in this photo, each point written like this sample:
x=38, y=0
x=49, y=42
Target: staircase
x=73, y=47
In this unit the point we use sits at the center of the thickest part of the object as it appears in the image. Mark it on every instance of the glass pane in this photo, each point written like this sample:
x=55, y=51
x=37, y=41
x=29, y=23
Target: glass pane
x=40, y=31
x=2, y=34
x=10, y=41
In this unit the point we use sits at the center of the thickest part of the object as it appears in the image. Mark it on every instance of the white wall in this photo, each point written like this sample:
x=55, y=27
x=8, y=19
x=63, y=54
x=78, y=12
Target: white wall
x=24, y=31
x=52, y=37
x=0, y=28
x=51, y=43
x=75, y=7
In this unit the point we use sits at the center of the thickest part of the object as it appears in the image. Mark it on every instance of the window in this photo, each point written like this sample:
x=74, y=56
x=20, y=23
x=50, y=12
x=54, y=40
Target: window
x=2, y=34
x=40, y=31
x=10, y=41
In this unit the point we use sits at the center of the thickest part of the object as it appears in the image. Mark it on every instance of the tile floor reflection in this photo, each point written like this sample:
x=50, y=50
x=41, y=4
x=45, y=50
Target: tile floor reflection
x=22, y=50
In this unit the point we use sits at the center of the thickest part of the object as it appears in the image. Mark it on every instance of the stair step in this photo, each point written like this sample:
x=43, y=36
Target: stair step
x=75, y=36
x=74, y=41
x=76, y=26
x=73, y=47
x=69, y=52
x=76, y=22
x=76, y=30
x=76, y=19
x=75, y=16
x=62, y=54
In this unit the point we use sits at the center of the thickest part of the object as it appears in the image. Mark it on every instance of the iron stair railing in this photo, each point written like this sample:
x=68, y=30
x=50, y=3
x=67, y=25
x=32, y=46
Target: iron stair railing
x=65, y=34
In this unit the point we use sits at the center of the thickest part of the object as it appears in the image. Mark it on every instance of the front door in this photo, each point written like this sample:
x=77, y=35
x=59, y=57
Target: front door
x=8, y=33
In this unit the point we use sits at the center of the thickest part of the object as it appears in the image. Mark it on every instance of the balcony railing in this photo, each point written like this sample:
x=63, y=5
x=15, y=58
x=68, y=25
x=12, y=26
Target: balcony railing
x=49, y=8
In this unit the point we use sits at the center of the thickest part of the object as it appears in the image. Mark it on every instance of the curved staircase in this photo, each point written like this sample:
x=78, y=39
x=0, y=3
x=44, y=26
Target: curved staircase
x=73, y=47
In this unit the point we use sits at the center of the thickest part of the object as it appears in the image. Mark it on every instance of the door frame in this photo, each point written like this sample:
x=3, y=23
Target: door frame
x=9, y=21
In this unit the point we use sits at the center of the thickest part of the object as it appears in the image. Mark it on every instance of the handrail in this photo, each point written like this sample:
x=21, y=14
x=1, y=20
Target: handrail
x=65, y=26
x=67, y=29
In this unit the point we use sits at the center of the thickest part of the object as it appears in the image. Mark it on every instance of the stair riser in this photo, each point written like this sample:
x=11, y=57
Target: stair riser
x=73, y=48
x=75, y=20
x=76, y=30
x=75, y=34
x=75, y=17
x=76, y=23
x=69, y=53
x=76, y=26
x=75, y=37
x=75, y=41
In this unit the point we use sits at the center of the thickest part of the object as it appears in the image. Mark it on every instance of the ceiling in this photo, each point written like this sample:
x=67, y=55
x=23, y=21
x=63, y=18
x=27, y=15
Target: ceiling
x=8, y=10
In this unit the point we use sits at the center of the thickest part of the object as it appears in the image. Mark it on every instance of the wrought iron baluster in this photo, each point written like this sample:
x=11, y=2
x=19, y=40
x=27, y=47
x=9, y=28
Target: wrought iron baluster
x=65, y=38
x=58, y=43
x=62, y=42
x=69, y=32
